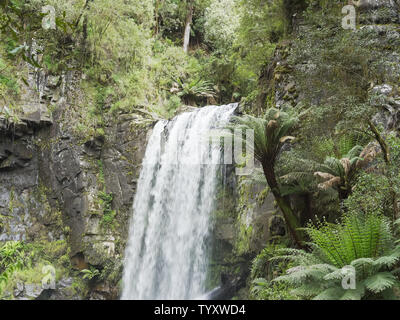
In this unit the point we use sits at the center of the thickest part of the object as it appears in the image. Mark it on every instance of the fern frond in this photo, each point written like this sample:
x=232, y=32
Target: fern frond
x=362, y=262
x=386, y=261
x=324, y=175
x=380, y=282
x=337, y=274
x=330, y=183
x=355, y=152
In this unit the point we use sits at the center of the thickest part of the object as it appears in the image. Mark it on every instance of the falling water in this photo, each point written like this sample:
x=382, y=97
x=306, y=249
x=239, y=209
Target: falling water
x=166, y=256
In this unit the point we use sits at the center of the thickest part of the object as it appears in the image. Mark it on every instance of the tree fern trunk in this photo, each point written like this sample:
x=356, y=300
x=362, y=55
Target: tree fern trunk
x=284, y=204
x=386, y=155
x=308, y=207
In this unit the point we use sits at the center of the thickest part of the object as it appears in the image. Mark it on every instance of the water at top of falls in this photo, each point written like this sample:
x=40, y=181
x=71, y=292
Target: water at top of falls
x=167, y=251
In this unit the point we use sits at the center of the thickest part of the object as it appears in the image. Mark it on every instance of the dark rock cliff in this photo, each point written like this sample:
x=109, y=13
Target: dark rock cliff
x=51, y=181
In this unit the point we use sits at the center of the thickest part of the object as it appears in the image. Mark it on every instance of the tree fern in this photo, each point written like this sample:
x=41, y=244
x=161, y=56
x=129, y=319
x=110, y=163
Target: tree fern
x=340, y=173
x=270, y=134
x=357, y=236
x=360, y=242
x=380, y=282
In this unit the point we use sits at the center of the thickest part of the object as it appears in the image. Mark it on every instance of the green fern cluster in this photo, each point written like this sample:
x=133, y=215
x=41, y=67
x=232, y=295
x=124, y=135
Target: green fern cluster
x=12, y=258
x=362, y=245
x=357, y=236
x=90, y=274
x=270, y=132
x=193, y=89
x=263, y=266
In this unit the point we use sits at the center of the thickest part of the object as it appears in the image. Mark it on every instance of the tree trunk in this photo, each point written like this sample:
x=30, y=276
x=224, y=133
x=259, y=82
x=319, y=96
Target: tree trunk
x=381, y=141
x=308, y=214
x=189, y=18
x=344, y=193
x=386, y=156
x=284, y=204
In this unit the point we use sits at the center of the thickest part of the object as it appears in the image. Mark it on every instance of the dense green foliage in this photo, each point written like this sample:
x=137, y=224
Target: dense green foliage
x=22, y=262
x=270, y=134
x=363, y=242
x=131, y=50
x=340, y=166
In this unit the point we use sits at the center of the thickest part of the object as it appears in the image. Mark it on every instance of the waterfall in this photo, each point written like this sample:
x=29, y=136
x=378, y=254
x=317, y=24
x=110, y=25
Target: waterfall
x=166, y=255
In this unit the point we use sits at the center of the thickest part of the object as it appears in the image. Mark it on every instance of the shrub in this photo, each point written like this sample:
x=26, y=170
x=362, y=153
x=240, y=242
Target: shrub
x=361, y=243
x=24, y=262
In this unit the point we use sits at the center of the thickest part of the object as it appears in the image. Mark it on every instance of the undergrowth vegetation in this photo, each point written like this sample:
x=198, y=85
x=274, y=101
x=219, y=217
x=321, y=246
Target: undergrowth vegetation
x=361, y=246
x=24, y=263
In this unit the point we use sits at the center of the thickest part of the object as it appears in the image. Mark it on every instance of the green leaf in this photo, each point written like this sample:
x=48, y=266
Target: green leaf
x=386, y=261
x=380, y=281
x=335, y=275
x=17, y=49
x=308, y=290
x=31, y=61
x=362, y=262
x=260, y=281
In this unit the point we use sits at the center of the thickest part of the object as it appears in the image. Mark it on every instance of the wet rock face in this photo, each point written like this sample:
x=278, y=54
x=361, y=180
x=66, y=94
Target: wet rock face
x=375, y=4
x=26, y=213
x=51, y=179
x=24, y=210
x=245, y=220
x=387, y=100
x=122, y=157
x=377, y=34
x=65, y=177
x=79, y=171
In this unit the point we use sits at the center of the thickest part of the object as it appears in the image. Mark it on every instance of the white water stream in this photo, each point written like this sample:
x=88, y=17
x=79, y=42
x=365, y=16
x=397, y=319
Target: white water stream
x=167, y=252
